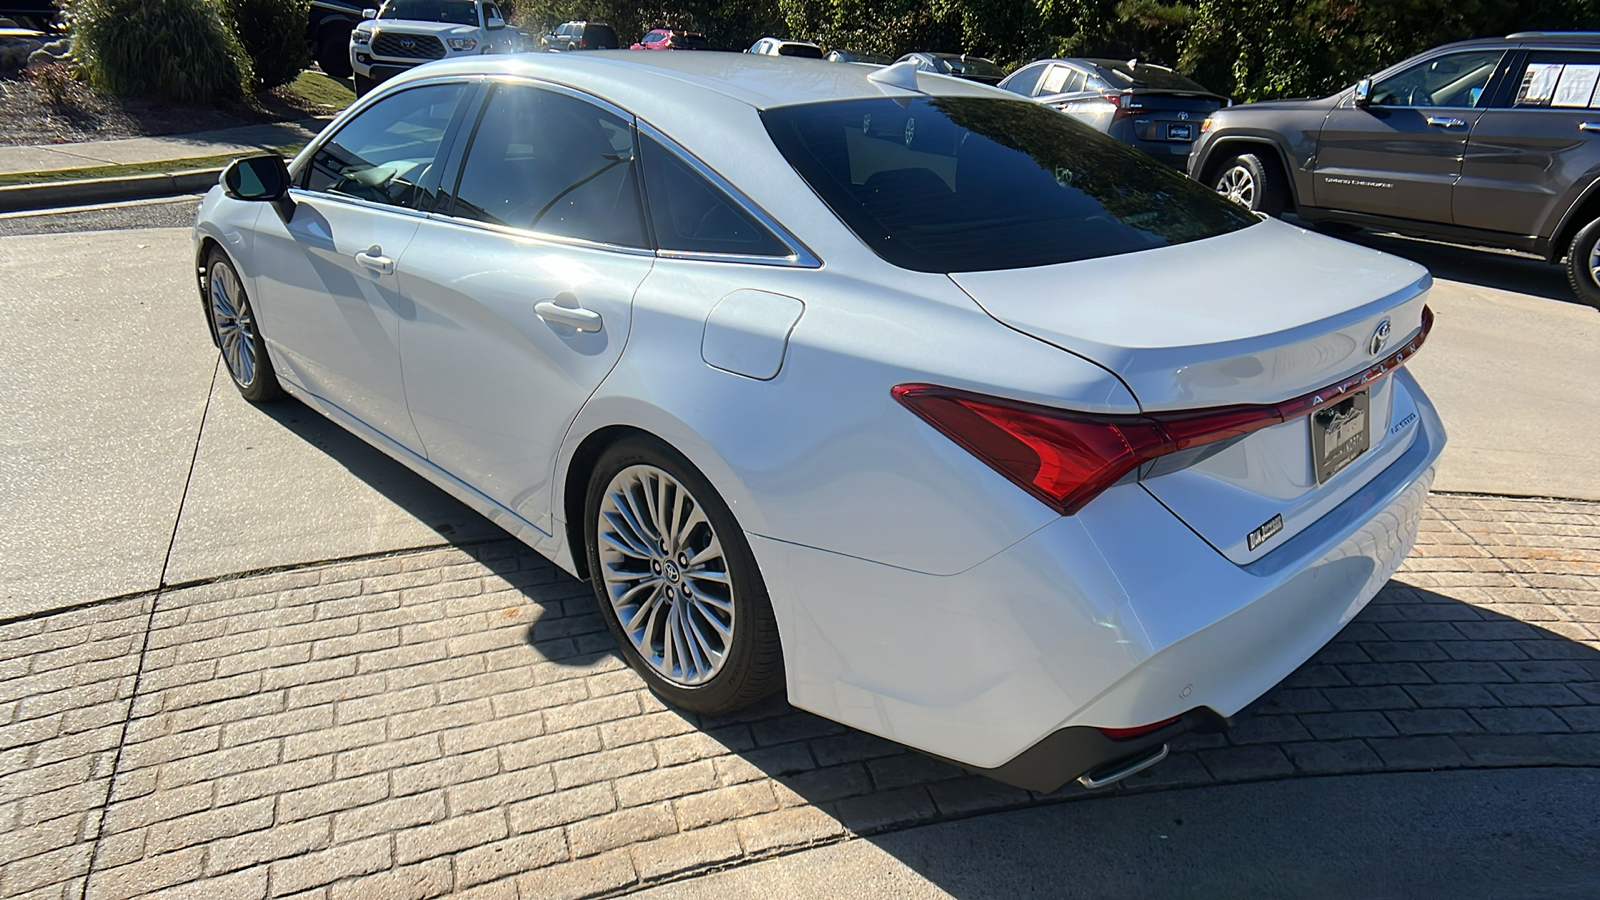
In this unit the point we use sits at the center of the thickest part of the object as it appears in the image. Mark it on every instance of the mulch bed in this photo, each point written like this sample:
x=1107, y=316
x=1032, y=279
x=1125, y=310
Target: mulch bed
x=28, y=115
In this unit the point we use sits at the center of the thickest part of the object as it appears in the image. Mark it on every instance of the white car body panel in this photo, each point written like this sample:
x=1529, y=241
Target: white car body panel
x=920, y=595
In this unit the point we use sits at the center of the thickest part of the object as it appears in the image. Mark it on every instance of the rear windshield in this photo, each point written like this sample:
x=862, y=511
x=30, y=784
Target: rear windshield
x=1122, y=75
x=600, y=36
x=807, y=51
x=965, y=184
x=452, y=12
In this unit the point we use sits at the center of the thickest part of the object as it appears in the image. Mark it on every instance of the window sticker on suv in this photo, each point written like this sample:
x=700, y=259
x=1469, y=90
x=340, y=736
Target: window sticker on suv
x=1554, y=84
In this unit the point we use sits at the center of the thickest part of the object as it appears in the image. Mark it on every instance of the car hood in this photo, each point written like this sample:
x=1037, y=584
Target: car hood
x=1295, y=103
x=410, y=26
x=1258, y=315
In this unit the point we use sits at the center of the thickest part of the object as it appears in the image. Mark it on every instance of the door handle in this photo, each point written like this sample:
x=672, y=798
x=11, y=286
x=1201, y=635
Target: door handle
x=372, y=258
x=1589, y=126
x=1444, y=122
x=574, y=317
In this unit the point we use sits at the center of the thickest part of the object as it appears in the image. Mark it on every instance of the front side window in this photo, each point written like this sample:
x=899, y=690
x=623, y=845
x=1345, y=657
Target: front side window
x=1558, y=80
x=384, y=154
x=963, y=184
x=450, y=12
x=692, y=215
x=1456, y=80
x=551, y=163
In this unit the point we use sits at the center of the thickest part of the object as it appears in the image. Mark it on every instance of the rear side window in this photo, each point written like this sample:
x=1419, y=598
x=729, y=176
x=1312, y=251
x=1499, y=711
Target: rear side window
x=547, y=162
x=385, y=152
x=692, y=215
x=1561, y=80
x=963, y=184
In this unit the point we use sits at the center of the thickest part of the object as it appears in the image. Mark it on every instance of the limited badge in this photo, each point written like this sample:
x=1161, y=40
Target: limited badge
x=1268, y=528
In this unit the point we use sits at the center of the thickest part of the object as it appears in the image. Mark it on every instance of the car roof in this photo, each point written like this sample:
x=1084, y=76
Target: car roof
x=646, y=83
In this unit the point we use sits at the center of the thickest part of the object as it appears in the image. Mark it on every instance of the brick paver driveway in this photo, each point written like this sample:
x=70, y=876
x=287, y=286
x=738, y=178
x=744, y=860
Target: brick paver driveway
x=455, y=720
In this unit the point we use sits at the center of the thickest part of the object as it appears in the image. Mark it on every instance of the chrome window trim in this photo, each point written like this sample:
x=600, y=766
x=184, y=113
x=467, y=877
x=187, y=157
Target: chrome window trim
x=539, y=236
x=799, y=256
x=357, y=202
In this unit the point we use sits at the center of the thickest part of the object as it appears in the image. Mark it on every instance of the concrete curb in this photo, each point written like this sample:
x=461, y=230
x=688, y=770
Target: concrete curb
x=20, y=197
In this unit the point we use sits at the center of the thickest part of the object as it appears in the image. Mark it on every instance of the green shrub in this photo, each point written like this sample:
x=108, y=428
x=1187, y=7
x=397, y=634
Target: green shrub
x=180, y=49
x=274, y=35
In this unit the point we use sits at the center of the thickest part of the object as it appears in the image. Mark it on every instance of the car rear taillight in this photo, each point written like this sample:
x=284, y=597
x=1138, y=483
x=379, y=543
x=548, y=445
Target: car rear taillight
x=1066, y=458
x=1124, y=103
x=1122, y=734
x=583, y=43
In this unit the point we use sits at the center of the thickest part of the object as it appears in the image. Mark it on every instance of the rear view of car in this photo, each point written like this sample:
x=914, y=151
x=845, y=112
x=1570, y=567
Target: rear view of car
x=959, y=65
x=580, y=36
x=669, y=39
x=1150, y=107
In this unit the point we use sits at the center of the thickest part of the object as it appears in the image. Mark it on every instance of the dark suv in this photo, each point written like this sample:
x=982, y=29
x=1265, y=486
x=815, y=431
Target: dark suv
x=1494, y=142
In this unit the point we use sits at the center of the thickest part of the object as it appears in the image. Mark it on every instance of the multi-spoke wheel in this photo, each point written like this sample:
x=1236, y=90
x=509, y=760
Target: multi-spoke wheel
x=1247, y=181
x=676, y=581
x=233, y=324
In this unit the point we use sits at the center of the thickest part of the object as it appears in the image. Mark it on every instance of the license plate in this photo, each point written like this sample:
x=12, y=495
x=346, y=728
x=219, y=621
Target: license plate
x=1180, y=132
x=1339, y=435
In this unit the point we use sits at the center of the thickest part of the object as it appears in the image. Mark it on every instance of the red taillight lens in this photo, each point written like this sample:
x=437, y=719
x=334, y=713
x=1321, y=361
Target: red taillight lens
x=1123, y=101
x=1066, y=458
x=1121, y=734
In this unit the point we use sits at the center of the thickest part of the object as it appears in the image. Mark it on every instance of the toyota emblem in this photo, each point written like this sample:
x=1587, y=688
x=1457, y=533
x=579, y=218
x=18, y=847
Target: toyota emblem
x=1379, y=338
x=408, y=43
x=1183, y=115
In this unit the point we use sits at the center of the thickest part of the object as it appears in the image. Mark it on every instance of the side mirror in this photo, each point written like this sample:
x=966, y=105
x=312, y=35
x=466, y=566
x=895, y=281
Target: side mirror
x=260, y=179
x=368, y=14
x=494, y=24
x=1362, y=92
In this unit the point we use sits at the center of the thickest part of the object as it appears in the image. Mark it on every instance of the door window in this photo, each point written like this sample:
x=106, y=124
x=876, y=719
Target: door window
x=548, y=162
x=1558, y=80
x=692, y=215
x=1055, y=81
x=1456, y=80
x=385, y=153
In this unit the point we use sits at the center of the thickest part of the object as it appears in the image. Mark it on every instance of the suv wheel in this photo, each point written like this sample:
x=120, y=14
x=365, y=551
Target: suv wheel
x=1249, y=182
x=1583, y=264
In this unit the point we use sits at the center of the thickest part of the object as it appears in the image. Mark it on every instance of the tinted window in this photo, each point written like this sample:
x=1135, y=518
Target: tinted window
x=600, y=37
x=692, y=215
x=960, y=184
x=1559, y=80
x=386, y=151
x=551, y=163
x=805, y=51
x=1121, y=75
x=1456, y=80
x=454, y=12
x=1025, y=80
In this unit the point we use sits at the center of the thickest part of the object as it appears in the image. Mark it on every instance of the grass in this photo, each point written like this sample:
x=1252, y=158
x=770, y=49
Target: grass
x=319, y=90
x=166, y=166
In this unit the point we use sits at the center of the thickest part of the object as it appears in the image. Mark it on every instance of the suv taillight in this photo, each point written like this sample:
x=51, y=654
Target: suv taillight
x=1066, y=458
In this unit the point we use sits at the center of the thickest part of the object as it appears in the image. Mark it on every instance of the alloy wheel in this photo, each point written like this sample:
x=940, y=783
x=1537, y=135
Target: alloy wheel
x=236, y=329
x=1238, y=185
x=665, y=575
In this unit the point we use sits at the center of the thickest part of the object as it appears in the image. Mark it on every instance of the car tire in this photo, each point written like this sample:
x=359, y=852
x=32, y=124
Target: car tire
x=333, y=56
x=680, y=591
x=1251, y=183
x=364, y=85
x=1583, y=264
x=234, y=327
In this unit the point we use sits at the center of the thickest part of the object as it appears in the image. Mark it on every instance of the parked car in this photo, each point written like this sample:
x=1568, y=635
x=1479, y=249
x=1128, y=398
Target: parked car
x=771, y=46
x=853, y=56
x=972, y=68
x=962, y=423
x=408, y=33
x=1493, y=142
x=671, y=39
x=580, y=36
x=328, y=27
x=37, y=15
x=1151, y=107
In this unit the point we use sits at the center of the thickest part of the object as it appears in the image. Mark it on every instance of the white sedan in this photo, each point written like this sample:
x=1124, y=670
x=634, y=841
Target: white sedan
x=961, y=423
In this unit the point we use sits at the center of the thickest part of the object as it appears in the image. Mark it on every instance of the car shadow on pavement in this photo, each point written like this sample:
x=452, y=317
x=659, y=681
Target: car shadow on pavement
x=1502, y=270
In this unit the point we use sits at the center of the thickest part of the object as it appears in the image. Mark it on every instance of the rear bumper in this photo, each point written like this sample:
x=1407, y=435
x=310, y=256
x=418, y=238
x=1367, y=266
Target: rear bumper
x=1116, y=617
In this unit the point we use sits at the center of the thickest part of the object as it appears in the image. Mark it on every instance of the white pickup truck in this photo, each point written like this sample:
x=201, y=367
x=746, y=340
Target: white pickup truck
x=407, y=33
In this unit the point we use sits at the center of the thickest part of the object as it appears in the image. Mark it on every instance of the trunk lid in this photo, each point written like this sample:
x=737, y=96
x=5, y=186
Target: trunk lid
x=1257, y=316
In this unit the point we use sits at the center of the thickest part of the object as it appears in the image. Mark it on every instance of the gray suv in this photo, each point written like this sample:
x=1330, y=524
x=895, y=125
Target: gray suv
x=1494, y=142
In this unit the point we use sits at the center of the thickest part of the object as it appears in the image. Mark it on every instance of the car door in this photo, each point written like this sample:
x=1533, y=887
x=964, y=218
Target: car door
x=329, y=293
x=1400, y=155
x=522, y=294
x=1536, y=147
